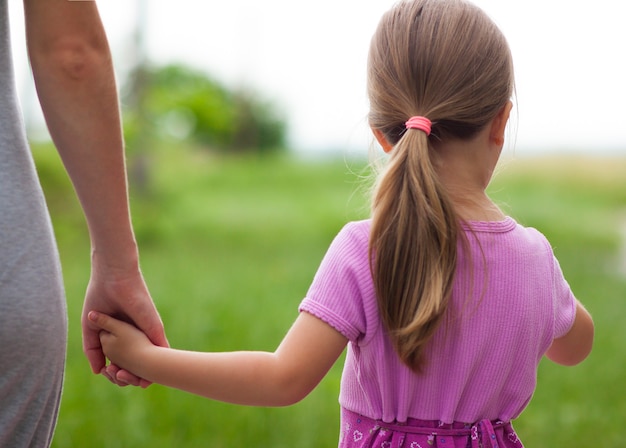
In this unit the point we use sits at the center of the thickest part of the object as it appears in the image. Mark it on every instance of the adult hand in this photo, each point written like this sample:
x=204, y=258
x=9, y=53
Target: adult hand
x=119, y=292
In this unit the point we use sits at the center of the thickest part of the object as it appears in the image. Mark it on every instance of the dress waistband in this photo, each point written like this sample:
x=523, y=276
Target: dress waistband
x=481, y=434
x=482, y=431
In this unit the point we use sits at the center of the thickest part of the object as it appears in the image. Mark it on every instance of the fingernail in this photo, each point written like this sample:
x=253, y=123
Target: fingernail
x=92, y=316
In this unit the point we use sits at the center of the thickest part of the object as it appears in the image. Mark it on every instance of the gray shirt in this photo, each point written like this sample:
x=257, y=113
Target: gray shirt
x=33, y=323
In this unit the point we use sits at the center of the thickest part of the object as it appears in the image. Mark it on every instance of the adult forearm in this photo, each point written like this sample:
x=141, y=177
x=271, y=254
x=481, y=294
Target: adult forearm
x=76, y=87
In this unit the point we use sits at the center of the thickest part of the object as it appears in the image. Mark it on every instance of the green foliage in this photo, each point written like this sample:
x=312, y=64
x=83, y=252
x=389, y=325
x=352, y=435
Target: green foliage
x=60, y=196
x=178, y=101
x=229, y=248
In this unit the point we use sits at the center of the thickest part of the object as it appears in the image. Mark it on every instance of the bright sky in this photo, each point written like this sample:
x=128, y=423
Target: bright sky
x=310, y=58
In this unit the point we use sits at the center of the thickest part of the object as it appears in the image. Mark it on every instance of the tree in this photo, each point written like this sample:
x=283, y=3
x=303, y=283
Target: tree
x=181, y=102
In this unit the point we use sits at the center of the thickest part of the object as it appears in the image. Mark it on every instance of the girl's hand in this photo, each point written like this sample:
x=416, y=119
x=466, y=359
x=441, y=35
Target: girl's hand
x=122, y=343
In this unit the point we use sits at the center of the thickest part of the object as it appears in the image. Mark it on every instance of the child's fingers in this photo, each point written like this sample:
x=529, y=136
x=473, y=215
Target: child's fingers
x=124, y=376
x=103, y=321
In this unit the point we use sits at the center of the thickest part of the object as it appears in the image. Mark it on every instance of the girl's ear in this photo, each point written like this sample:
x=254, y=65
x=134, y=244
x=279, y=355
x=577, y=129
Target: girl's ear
x=387, y=147
x=498, y=125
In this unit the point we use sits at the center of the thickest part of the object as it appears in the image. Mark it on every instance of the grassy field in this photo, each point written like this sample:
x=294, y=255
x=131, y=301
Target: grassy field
x=229, y=247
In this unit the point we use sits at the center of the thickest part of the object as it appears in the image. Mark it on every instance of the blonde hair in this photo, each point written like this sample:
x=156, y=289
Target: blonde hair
x=447, y=61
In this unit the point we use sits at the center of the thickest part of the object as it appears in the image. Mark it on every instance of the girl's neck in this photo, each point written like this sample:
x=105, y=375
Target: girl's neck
x=465, y=168
x=478, y=209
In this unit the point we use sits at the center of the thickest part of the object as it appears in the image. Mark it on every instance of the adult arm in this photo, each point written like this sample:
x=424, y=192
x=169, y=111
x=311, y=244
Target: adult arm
x=75, y=81
x=576, y=345
x=278, y=378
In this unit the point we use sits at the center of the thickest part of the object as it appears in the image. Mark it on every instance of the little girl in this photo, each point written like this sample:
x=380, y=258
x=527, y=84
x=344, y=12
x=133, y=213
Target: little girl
x=446, y=304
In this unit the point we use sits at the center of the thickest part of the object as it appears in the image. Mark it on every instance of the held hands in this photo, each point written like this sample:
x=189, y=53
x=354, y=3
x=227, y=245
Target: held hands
x=121, y=342
x=118, y=291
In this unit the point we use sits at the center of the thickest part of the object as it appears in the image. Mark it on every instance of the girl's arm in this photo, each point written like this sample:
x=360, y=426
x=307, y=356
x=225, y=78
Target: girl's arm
x=575, y=346
x=281, y=378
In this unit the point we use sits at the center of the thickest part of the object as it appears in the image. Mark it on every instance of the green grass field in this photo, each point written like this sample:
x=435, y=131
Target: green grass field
x=229, y=247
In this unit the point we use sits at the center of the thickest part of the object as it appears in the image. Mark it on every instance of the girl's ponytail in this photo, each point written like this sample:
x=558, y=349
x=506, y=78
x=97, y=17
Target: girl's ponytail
x=412, y=248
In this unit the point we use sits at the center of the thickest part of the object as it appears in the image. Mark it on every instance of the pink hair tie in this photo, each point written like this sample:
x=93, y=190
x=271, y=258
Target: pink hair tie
x=421, y=123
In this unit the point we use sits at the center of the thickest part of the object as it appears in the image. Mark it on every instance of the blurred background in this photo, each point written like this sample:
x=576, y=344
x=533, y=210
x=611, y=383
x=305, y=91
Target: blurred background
x=309, y=61
x=247, y=147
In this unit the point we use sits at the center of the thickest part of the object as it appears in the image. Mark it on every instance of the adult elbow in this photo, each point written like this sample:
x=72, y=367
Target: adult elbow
x=72, y=58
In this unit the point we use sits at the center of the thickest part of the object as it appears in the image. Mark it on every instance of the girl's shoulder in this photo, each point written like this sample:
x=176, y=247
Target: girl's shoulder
x=358, y=228
x=531, y=234
x=352, y=240
x=506, y=226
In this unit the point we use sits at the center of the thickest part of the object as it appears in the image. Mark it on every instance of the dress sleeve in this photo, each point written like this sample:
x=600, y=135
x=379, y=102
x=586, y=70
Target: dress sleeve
x=564, y=302
x=342, y=283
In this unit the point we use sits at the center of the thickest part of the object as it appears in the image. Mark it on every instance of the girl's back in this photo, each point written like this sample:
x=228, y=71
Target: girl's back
x=509, y=302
